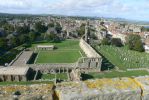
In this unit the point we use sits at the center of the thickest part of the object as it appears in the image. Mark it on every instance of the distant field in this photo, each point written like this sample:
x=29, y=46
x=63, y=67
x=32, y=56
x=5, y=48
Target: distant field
x=67, y=51
x=124, y=58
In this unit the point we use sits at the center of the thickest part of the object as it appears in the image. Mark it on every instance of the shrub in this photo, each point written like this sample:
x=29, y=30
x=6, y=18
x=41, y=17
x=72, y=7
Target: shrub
x=116, y=42
x=105, y=41
x=17, y=93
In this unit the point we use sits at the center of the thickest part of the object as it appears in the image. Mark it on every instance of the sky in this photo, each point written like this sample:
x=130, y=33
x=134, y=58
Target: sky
x=129, y=9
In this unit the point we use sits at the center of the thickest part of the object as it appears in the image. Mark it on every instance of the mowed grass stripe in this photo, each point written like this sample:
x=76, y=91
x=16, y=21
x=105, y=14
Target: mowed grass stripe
x=58, y=56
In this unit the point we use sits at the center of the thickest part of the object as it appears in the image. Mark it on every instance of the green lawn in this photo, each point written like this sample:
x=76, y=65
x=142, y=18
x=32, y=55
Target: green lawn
x=67, y=51
x=62, y=76
x=114, y=74
x=64, y=45
x=124, y=58
x=69, y=56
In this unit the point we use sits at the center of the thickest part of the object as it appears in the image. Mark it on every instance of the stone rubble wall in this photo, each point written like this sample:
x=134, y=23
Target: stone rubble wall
x=143, y=82
x=27, y=92
x=105, y=89
x=136, y=88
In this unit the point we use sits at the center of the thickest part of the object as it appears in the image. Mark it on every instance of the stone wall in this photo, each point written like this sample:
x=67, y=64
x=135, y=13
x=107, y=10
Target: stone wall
x=93, y=60
x=12, y=78
x=27, y=92
x=52, y=68
x=88, y=50
x=136, y=88
x=105, y=89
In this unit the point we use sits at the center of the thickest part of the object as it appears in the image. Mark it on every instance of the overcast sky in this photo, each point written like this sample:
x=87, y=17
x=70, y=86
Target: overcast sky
x=130, y=9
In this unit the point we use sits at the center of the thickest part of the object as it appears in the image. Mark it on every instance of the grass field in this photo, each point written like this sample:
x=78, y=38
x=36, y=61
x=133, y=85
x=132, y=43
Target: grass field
x=114, y=74
x=69, y=56
x=62, y=76
x=67, y=51
x=124, y=58
x=64, y=45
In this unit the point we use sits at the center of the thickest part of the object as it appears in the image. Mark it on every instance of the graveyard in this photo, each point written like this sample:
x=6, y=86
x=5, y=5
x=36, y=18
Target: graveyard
x=123, y=58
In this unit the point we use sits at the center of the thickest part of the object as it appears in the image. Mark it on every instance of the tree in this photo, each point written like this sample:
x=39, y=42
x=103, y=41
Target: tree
x=134, y=42
x=81, y=30
x=23, y=29
x=24, y=38
x=14, y=41
x=58, y=28
x=102, y=23
x=145, y=29
x=116, y=42
x=8, y=27
x=40, y=27
x=93, y=36
x=53, y=37
x=32, y=36
x=105, y=41
x=139, y=46
x=3, y=22
x=51, y=24
x=3, y=42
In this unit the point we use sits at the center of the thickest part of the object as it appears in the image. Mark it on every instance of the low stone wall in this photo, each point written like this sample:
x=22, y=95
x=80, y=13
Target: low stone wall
x=105, y=89
x=136, y=88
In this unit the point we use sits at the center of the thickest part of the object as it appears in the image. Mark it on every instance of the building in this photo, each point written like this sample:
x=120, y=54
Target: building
x=45, y=47
x=14, y=73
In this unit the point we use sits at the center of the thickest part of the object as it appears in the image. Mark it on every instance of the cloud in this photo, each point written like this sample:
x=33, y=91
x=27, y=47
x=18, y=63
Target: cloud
x=21, y=5
x=108, y=8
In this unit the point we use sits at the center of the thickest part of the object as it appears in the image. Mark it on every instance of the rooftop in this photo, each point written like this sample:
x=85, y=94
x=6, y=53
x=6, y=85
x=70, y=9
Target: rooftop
x=14, y=70
x=45, y=46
